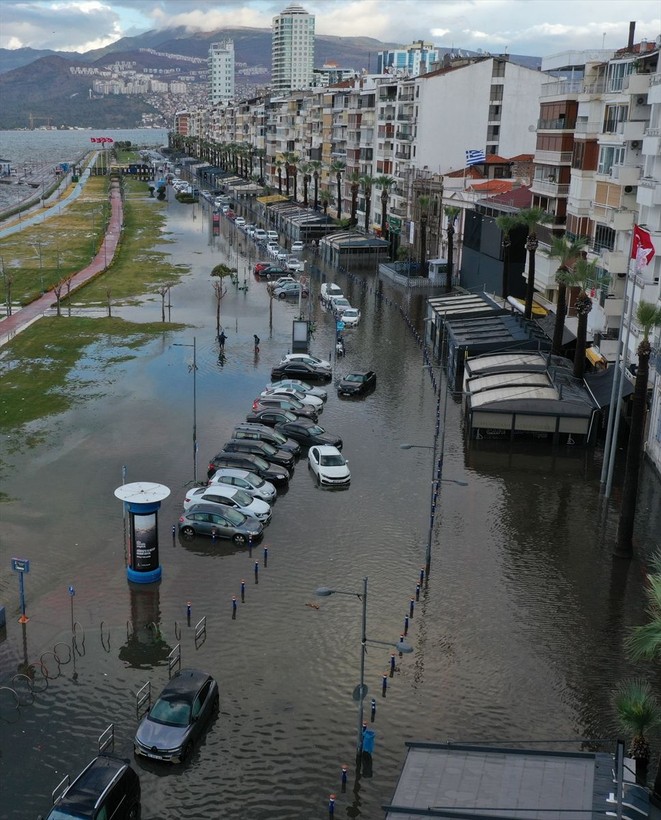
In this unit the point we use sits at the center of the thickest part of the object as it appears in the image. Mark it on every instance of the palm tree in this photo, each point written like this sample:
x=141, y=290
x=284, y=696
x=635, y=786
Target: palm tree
x=306, y=168
x=452, y=213
x=260, y=153
x=566, y=252
x=325, y=198
x=506, y=223
x=647, y=317
x=637, y=711
x=531, y=217
x=367, y=182
x=279, y=164
x=354, y=179
x=423, y=205
x=385, y=183
x=337, y=168
x=644, y=642
x=584, y=276
x=316, y=168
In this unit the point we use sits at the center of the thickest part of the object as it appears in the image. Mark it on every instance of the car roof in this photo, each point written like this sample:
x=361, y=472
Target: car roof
x=187, y=681
x=327, y=450
x=234, y=472
x=223, y=489
x=92, y=782
x=357, y=373
x=204, y=507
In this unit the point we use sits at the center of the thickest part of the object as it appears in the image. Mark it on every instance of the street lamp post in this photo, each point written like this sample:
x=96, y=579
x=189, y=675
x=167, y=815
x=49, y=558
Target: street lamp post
x=194, y=369
x=361, y=690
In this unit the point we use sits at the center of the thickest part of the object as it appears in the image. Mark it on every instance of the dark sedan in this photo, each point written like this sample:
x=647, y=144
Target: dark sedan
x=263, y=449
x=275, y=401
x=178, y=718
x=260, y=432
x=307, y=433
x=300, y=370
x=269, y=416
x=254, y=464
x=357, y=384
x=270, y=272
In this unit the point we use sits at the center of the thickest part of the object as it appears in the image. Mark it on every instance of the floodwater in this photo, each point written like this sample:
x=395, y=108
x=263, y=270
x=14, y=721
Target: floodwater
x=517, y=637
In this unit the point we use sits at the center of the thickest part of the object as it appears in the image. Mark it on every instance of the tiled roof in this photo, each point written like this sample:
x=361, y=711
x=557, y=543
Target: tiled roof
x=493, y=186
x=471, y=172
x=516, y=197
x=494, y=159
x=522, y=158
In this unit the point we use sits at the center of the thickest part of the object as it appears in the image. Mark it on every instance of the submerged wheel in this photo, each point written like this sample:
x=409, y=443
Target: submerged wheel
x=188, y=531
x=239, y=539
x=134, y=812
x=186, y=753
x=281, y=296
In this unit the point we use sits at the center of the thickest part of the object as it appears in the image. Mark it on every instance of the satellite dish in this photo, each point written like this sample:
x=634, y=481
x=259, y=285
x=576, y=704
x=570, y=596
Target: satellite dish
x=531, y=128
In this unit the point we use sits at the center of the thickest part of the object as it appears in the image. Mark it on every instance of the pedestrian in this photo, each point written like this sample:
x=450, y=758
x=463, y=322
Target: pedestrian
x=221, y=340
x=256, y=338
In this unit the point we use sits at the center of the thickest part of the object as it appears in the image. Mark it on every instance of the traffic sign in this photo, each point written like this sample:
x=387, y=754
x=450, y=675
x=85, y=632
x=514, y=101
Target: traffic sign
x=339, y=325
x=20, y=565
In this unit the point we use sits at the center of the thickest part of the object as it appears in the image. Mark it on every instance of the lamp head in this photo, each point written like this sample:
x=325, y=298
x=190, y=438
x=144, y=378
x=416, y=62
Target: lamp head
x=323, y=592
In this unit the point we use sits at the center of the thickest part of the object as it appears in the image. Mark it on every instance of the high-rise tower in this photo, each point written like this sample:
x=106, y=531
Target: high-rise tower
x=221, y=71
x=292, y=49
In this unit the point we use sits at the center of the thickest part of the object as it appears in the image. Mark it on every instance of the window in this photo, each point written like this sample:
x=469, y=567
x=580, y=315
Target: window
x=609, y=155
x=604, y=238
x=498, y=69
x=496, y=92
x=614, y=116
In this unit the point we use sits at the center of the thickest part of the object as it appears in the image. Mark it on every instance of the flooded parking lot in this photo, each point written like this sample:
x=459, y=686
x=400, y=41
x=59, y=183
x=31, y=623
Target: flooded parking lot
x=517, y=638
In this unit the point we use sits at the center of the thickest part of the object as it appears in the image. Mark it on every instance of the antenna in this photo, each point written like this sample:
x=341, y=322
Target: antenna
x=603, y=40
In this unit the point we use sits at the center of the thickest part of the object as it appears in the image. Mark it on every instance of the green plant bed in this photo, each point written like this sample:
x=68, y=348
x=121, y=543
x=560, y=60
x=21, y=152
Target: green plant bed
x=36, y=367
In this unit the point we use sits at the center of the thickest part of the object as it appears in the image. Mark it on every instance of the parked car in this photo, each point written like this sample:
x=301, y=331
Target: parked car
x=269, y=416
x=290, y=289
x=350, y=317
x=301, y=370
x=271, y=271
x=220, y=522
x=301, y=387
x=239, y=221
x=261, y=432
x=254, y=464
x=260, y=235
x=106, y=787
x=329, y=465
x=231, y=497
x=259, y=266
x=273, y=236
x=250, y=483
x=294, y=264
x=338, y=305
x=302, y=396
x=282, y=280
x=297, y=246
x=328, y=290
x=282, y=256
x=305, y=357
x=293, y=405
x=357, y=384
x=249, y=229
x=175, y=723
x=263, y=449
x=307, y=433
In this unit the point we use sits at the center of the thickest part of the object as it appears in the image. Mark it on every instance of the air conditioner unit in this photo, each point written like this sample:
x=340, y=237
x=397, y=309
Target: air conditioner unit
x=640, y=100
x=635, y=143
x=628, y=189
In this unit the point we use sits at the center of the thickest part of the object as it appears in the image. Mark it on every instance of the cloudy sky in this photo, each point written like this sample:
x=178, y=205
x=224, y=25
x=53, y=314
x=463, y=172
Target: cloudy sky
x=535, y=27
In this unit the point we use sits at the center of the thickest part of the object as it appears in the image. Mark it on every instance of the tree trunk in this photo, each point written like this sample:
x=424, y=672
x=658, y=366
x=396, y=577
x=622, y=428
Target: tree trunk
x=339, y=198
x=305, y=190
x=531, y=246
x=448, y=275
x=423, y=244
x=506, y=267
x=583, y=308
x=624, y=548
x=316, y=190
x=561, y=312
x=368, y=205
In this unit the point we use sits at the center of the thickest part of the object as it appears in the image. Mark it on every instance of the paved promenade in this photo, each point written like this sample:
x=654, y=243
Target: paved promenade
x=24, y=317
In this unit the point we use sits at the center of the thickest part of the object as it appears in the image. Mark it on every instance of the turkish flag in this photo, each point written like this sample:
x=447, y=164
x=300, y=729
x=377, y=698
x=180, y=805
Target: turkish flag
x=642, y=249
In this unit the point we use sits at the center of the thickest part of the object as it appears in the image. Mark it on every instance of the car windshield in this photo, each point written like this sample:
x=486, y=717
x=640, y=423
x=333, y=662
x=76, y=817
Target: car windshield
x=255, y=481
x=332, y=461
x=278, y=437
x=315, y=430
x=61, y=814
x=350, y=312
x=260, y=463
x=354, y=377
x=171, y=712
x=241, y=497
x=235, y=517
x=267, y=448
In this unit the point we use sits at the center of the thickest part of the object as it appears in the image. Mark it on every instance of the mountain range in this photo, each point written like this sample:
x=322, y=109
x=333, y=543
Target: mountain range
x=38, y=87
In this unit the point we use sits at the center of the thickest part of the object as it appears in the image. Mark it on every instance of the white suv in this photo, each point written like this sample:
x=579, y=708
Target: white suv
x=273, y=235
x=259, y=235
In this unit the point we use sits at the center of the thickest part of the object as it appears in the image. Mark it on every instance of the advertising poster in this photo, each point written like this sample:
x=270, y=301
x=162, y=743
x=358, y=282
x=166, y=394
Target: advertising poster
x=144, y=533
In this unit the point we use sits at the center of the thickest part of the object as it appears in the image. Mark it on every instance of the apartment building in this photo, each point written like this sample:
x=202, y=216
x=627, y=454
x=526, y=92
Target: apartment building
x=416, y=59
x=221, y=71
x=292, y=50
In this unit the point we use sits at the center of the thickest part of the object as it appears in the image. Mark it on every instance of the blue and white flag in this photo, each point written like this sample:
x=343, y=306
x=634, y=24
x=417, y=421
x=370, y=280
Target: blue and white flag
x=475, y=157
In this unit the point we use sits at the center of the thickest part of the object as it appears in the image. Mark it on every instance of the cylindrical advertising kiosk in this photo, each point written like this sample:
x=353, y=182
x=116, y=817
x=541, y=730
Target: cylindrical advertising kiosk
x=142, y=501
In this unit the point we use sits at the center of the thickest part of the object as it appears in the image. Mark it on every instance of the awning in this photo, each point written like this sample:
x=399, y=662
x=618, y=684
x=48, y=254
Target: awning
x=269, y=200
x=595, y=358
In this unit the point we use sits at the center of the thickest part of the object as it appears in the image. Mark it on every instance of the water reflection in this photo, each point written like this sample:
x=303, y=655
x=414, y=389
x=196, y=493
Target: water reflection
x=145, y=646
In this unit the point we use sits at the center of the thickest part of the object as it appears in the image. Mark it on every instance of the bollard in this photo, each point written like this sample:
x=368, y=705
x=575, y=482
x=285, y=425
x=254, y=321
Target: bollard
x=174, y=534
x=233, y=607
x=417, y=592
x=422, y=575
x=373, y=709
x=411, y=607
x=243, y=591
x=392, y=664
x=344, y=778
x=266, y=556
x=406, y=624
x=256, y=572
x=213, y=534
x=331, y=805
x=384, y=686
x=188, y=611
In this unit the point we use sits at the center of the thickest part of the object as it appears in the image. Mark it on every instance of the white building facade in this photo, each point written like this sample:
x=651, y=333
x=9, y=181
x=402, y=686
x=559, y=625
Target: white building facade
x=221, y=71
x=292, y=50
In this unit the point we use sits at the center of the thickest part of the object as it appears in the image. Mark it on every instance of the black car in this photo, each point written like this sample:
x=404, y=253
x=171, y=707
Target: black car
x=269, y=416
x=260, y=432
x=261, y=448
x=300, y=370
x=357, y=384
x=271, y=272
x=254, y=464
x=288, y=403
x=106, y=787
x=307, y=433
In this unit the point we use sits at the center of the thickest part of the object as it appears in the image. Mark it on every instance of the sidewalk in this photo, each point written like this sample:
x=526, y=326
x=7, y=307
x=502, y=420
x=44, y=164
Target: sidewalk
x=24, y=317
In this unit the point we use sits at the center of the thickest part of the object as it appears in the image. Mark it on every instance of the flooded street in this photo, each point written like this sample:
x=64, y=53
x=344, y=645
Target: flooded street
x=517, y=637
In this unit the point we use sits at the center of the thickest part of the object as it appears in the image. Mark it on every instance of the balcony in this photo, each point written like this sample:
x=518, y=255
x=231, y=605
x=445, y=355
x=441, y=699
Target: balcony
x=553, y=157
x=626, y=174
x=556, y=125
x=404, y=135
x=649, y=192
x=403, y=153
x=549, y=187
x=589, y=128
x=613, y=261
x=562, y=88
x=637, y=83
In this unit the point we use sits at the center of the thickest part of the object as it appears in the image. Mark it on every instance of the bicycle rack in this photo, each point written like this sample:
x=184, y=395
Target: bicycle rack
x=44, y=668
x=174, y=659
x=105, y=641
x=107, y=739
x=17, y=700
x=30, y=686
x=200, y=632
x=177, y=630
x=77, y=627
x=143, y=696
x=59, y=659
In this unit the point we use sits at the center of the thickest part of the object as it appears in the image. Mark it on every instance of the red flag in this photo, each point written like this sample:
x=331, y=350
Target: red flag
x=642, y=249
